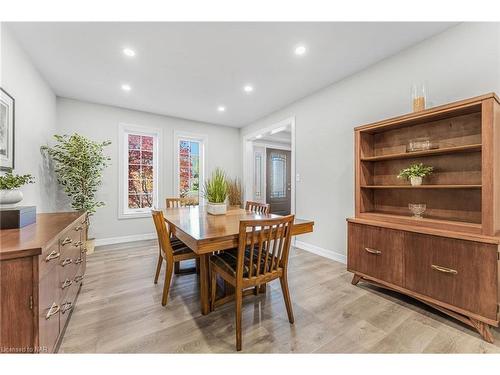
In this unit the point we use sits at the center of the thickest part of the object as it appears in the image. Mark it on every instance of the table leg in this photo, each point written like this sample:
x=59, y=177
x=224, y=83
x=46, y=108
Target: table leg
x=204, y=284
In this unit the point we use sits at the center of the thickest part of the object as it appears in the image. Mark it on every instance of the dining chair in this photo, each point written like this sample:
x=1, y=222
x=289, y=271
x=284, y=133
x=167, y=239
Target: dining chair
x=261, y=208
x=177, y=203
x=170, y=252
x=261, y=257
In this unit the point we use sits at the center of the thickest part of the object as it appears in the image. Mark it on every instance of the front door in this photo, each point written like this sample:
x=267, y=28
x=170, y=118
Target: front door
x=278, y=180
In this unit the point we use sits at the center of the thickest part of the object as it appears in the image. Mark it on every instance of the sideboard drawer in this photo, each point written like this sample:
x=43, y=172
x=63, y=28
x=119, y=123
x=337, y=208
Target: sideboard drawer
x=376, y=252
x=458, y=272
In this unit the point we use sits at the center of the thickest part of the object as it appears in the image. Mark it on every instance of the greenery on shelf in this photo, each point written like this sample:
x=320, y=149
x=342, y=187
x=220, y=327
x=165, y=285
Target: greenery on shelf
x=216, y=187
x=234, y=192
x=10, y=181
x=416, y=170
x=79, y=163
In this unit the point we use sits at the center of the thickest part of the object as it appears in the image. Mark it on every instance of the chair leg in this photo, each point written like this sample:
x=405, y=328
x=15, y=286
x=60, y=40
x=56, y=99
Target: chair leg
x=166, y=286
x=239, y=301
x=286, y=296
x=177, y=268
x=158, y=268
x=213, y=290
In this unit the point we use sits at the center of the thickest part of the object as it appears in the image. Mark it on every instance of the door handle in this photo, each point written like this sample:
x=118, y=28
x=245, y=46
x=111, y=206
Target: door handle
x=373, y=251
x=444, y=269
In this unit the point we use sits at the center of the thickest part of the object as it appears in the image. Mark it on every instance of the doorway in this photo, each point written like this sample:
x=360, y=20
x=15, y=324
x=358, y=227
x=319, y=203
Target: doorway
x=269, y=166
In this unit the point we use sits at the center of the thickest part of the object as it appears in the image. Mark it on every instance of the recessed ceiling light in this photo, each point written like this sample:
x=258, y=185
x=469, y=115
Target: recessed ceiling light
x=258, y=136
x=221, y=108
x=129, y=52
x=300, y=50
x=248, y=88
x=277, y=130
x=126, y=87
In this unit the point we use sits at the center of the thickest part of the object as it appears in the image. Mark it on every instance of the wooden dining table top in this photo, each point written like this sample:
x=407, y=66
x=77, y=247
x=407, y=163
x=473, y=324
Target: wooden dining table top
x=205, y=233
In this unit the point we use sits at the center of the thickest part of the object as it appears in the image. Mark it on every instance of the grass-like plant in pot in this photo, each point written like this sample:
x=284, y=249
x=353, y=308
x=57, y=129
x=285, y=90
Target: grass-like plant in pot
x=215, y=190
x=415, y=173
x=10, y=185
x=79, y=163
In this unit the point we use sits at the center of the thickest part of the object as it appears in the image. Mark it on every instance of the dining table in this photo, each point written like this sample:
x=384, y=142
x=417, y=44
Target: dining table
x=205, y=234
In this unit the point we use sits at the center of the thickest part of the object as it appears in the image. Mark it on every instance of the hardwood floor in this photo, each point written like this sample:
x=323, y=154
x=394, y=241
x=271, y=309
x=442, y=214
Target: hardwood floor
x=119, y=311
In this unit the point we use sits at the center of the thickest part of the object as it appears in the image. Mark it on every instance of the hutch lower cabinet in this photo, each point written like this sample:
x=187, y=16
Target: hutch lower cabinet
x=42, y=267
x=449, y=257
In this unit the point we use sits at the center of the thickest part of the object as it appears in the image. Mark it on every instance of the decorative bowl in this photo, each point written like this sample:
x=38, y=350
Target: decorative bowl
x=417, y=209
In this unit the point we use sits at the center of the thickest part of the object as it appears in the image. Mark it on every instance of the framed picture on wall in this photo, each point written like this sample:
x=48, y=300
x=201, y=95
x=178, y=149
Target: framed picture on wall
x=7, y=119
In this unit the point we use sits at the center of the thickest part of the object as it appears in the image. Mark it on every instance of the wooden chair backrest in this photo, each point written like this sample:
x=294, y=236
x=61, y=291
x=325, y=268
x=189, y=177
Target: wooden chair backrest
x=163, y=234
x=261, y=208
x=179, y=202
x=268, y=244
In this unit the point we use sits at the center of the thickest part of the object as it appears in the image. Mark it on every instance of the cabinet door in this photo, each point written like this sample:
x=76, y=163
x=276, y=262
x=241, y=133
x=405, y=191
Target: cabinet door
x=376, y=252
x=460, y=273
x=49, y=310
x=16, y=313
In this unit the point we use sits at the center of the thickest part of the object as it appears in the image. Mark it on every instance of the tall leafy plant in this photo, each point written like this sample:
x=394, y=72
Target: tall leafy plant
x=79, y=163
x=216, y=187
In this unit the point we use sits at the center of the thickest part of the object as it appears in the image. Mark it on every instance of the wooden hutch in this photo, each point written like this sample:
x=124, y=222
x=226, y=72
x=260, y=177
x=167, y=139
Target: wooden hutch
x=449, y=259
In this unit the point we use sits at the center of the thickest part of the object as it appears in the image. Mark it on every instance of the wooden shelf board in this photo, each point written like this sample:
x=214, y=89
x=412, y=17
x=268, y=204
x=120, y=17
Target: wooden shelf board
x=416, y=154
x=422, y=187
x=427, y=220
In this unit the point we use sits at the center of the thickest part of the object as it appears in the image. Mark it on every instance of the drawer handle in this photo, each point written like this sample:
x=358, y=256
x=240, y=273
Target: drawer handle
x=66, y=261
x=78, y=278
x=53, y=255
x=444, y=269
x=66, y=307
x=84, y=250
x=66, y=283
x=54, y=309
x=78, y=228
x=78, y=261
x=78, y=243
x=373, y=251
x=66, y=241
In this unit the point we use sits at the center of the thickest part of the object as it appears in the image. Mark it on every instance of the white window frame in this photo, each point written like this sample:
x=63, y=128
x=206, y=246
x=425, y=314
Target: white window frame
x=202, y=139
x=123, y=131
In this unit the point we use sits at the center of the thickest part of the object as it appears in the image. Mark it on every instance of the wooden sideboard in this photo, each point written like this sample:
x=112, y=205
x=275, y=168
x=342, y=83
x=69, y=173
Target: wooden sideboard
x=449, y=259
x=42, y=267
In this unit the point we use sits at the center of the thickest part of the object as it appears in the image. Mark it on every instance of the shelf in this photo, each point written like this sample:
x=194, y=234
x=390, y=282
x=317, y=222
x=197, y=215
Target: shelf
x=422, y=187
x=419, y=221
x=437, y=151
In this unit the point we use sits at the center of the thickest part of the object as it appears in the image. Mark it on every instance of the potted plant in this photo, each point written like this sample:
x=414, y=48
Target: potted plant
x=216, y=191
x=9, y=187
x=79, y=163
x=415, y=173
x=234, y=192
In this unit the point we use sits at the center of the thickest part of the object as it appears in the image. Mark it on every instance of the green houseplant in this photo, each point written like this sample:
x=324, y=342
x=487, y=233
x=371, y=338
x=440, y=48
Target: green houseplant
x=216, y=190
x=10, y=184
x=415, y=173
x=79, y=163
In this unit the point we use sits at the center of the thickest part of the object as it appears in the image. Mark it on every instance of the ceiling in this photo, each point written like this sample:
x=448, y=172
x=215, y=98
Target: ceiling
x=189, y=69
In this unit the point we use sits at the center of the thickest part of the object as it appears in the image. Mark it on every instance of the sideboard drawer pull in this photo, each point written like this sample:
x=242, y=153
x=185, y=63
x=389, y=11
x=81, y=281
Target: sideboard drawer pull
x=444, y=269
x=66, y=261
x=78, y=260
x=78, y=278
x=78, y=243
x=54, y=309
x=66, y=241
x=66, y=283
x=78, y=228
x=53, y=255
x=372, y=251
x=66, y=307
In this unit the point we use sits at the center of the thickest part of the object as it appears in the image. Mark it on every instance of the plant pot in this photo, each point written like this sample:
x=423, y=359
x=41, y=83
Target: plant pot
x=10, y=196
x=216, y=208
x=416, y=181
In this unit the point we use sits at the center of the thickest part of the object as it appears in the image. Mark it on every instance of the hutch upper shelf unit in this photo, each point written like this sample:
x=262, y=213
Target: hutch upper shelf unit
x=449, y=257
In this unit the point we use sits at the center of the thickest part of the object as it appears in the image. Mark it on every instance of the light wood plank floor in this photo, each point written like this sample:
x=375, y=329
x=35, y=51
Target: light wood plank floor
x=119, y=311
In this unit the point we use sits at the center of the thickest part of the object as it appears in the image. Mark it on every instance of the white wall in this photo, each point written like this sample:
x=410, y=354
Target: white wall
x=100, y=122
x=462, y=62
x=35, y=120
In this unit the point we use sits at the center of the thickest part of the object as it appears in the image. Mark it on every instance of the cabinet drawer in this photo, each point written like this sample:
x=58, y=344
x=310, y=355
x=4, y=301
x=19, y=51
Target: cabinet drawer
x=49, y=310
x=69, y=297
x=460, y=273
x=376, y=252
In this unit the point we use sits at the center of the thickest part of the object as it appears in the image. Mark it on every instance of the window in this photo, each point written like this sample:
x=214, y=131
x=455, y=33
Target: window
x=278, y=175
x=189, y=172
x=139, y=171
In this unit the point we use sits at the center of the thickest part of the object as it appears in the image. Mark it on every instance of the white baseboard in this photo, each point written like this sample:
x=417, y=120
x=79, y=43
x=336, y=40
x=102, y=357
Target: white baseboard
x=330, y=254
x=122, y=239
